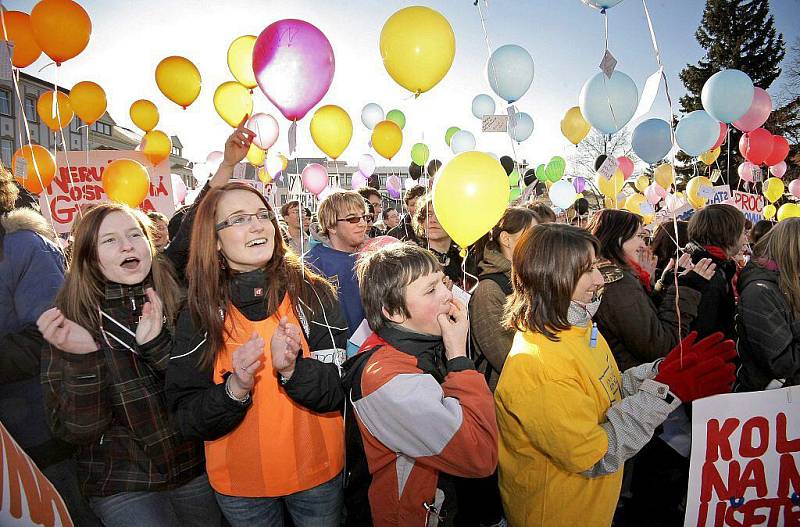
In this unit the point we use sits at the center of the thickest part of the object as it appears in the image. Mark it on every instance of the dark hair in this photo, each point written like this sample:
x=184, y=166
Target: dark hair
x=8, y=191
x=384, y=275
x=414, y=192
x=543, y=213
x=663, y=244
x=548, y=261
x=386, y=211
x=514, y=220
x=719, y=224
x=288, y=205
x=758, y=231
x=366, y=192
x=612, y=228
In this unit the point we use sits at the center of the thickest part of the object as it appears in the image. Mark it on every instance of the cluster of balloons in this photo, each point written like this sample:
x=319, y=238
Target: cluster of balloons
x=87, y=100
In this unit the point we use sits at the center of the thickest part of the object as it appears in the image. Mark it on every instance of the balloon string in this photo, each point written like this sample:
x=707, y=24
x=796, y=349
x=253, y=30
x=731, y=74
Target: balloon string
x=299, y=212
x=728, y=157
x=57, y=114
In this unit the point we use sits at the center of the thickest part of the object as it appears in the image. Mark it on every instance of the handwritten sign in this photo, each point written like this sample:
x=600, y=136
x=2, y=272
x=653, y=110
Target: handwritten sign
x=745, y=461
x=494, y=123
x=609, y=167
x=78, y=183
x=751, y=205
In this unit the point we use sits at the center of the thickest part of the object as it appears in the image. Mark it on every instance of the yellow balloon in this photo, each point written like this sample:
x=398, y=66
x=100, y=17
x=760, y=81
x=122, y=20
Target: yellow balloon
x=773, y=189
x=40, y=167
x=126, y=181
x=664, y=175
x=642, y=182
x=470, y=194
x=417, y=45
x=233, y=102
x=179, y=80
x=55, y=118
x=144, y=114
x=284, y=161
x=611, y=187
x=709, y=157
x=634, y=204
x=240, y=61
x=693, y=191
x=788, y=210
x=264, y=176
x=574, y=126
x=387, y=138
x=769, y=211
x=331, y=130
x=156, y=145
x=256, y=156
x=88, y=101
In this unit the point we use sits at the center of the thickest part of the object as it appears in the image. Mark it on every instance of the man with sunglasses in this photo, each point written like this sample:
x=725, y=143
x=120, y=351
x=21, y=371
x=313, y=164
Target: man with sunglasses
x=343, y=220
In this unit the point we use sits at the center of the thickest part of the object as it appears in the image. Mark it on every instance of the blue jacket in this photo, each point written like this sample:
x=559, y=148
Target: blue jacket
x=339, y=268
x=31, y=273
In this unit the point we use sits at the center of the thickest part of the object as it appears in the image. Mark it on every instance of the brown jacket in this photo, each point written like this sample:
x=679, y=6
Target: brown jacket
x=489, y=337
x=638, y=331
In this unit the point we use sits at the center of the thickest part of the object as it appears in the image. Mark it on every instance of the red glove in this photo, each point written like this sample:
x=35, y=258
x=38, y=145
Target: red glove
x=698, y=379
x=712, y=345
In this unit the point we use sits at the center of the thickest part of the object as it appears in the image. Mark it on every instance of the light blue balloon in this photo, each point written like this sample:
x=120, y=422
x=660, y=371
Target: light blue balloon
x=510, y=72
x=522, y=128
x=482, y=105
x=601, y=4
x=651, y=140
x=727, y=95
x=600, y=94
x=696, y=133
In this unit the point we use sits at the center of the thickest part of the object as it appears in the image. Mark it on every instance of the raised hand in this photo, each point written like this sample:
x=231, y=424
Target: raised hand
x=237, y=144
x=245, y=362
x=152, y=319
x=65, y=334
x=454, y=325
x=285, y=347
x=648, y=261
x=705, y=268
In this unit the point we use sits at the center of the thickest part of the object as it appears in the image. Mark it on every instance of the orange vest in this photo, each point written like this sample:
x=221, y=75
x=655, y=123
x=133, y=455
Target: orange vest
x=280, y=447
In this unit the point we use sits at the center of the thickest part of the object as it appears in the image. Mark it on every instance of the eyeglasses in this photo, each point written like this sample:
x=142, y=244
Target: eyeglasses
x=646, y=238
x=238, y=220
x=357, y=219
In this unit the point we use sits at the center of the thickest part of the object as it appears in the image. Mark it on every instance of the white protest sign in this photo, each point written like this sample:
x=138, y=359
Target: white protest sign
x=608, y=64
x=79, y=182
x=706, y=192
x=494, y=123
x=751, y=205
x=722, y=194
x=745, y=462
x=609, y=167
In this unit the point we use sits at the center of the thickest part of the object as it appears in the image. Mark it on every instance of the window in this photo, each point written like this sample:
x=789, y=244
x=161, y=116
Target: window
x=176, y=151
x=6, y=151
x=30, y=110
x=5, y=102
x=75, y=125
x=102, y=128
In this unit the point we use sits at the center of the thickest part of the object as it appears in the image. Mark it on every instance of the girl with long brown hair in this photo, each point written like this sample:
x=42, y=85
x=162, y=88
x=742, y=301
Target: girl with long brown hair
x=769, y=311
x=110, y=337
x=254, y=371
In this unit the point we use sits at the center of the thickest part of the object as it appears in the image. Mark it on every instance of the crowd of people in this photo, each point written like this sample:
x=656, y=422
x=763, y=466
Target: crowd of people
x=240, y=365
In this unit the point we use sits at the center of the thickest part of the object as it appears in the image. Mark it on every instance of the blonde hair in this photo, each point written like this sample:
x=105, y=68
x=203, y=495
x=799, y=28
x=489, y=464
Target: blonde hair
x=782, y=245
x=337, y=205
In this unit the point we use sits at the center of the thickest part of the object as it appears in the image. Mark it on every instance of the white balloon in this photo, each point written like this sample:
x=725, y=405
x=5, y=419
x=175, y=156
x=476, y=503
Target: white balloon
x=371, y=115
x=366, y=165
x=562, y=194
x=462, y=141
x=274, y=165
x=482, y=105
x=522, y=127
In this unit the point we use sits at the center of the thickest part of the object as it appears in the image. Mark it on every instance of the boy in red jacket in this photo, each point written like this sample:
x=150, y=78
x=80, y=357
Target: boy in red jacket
x=420, y=405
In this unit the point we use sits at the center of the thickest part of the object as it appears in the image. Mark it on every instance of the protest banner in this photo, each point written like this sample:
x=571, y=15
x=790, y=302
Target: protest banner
x=745, y=461
x=28, y=498
x=751, y=205
x=78, y=183
x=721, y=194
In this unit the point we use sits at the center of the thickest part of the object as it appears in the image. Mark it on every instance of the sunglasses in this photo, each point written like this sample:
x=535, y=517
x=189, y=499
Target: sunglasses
x=357, y=219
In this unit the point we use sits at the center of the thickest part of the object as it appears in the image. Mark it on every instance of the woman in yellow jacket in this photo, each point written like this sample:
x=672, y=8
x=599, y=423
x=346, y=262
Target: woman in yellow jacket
x=568, y=418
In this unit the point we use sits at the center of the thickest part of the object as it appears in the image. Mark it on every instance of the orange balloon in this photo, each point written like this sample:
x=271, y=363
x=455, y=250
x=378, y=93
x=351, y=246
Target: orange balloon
x=179, y=80
x=126, y=181
x=61, y=27
x=144, y=114
x=156, y=145
x=39, y=174
x=20, y=32
x=63, y=112
x=88, y=101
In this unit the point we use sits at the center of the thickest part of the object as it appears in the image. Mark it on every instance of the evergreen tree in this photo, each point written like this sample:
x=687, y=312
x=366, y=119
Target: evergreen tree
x=736, y=34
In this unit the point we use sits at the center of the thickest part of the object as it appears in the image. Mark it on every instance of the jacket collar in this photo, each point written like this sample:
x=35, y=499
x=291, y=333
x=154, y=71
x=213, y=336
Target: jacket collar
x=428, y=349
x=248, y=292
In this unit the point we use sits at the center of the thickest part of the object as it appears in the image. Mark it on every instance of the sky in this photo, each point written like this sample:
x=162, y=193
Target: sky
x=564, y=37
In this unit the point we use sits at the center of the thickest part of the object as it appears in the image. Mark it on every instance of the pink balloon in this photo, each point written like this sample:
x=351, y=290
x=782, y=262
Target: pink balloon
x=294, y=64
x=315, y=178
x=723, y=132
x=179, y=189
x=374, y=244
x=794, y=188
x=358, y=180
x=626, y=166
x=215, y=157
x=758, y=113
x=778, y=170
x=655, y=193
x=366, y=164
x=266, y=129
x=745, y=171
